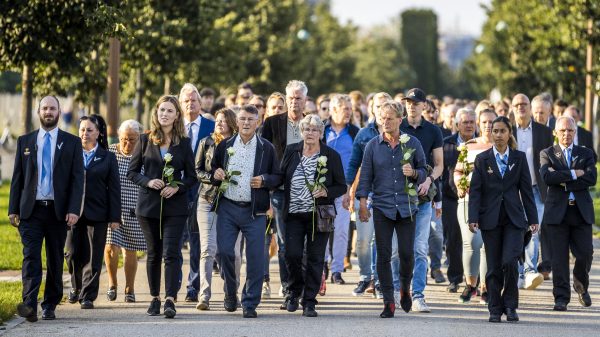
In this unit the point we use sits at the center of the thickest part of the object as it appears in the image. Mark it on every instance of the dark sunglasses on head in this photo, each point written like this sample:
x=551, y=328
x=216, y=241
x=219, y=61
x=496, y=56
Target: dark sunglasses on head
x=92, y=119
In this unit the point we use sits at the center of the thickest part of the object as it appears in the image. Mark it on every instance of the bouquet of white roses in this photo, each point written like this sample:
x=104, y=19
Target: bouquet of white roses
x=316, y=185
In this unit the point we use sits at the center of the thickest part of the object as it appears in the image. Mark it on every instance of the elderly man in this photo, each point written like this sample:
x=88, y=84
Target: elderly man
x=532, y=137
x=541, y=109
x=569, y=171
x=394, y=210
x=243, y=206
x=46, y=193
x=365, y=231
x=283, y=130
x=339, y=135
x=197, y=127
x=465, y=123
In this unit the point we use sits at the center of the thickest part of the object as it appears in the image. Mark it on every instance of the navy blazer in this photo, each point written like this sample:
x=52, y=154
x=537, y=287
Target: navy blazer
x=450, y=147
x=67, y=176
x=334, y=178
x=488, y=190
x=102, y=201
x=147, y=155
x=265, y=164
x=560, y=182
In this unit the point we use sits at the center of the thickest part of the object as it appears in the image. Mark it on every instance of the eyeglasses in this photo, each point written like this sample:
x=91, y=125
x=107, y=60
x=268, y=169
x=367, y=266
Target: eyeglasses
x=246, y=119
x=312, y=130
x=92, y=119
x=128, y=140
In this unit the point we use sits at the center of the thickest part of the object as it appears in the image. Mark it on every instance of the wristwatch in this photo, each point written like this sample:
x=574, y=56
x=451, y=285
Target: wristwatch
x=432, y=179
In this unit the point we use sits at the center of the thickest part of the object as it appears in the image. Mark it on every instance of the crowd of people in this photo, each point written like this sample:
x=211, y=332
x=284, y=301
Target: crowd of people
x=398, y=181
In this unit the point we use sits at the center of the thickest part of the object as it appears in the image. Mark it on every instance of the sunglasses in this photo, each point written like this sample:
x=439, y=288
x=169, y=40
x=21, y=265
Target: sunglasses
x=92, y=119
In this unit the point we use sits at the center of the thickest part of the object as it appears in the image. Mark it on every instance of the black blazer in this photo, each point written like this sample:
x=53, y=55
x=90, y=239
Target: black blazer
x=542, y=138
x=147, y=155
x=560, y=182
x=450, y=146
x=102, y=201
x=335, y=181
x=275, y=131
x=67, y=176
x=265, y=164
x=585, y=139
x=489, y=189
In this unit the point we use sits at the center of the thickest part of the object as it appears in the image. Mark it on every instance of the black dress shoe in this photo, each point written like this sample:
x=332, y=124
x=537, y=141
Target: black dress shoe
x=27, y=312
x=495, y=318
x=405, y=301
x=87, y=304
x=230, y=303
x=584, y=296
x=169, y=309
x=292, y=304
x=337, y=278
x=452, y=287
x=388, y=310
x=309, y=311
x=511, y=315
x=284, y=305
x=249, y=313
x=560, y=306
x=48, y=315
x=73, y=296
x=154, y=308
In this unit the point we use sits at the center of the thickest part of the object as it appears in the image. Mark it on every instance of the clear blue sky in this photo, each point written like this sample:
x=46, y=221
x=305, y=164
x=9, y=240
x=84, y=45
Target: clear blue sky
x=464, y=16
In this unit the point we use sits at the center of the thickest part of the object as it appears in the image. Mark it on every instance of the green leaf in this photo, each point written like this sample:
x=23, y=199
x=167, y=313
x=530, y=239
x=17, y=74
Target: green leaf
x=323, y=171
x=322, y=180
x=412, y=193
x=235, y=173
x=233, y=182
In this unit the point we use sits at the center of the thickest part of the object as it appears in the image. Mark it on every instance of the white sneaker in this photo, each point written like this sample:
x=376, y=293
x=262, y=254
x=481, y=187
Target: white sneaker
x=521, y=282
x=533, y=280
x=397, y=298
x=266, y=290
x=280, y=293
x=419, y=305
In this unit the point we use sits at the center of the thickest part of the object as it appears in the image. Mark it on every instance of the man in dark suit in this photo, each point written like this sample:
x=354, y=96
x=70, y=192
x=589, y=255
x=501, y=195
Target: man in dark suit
x=46, y=194
x=569, y=171
x=282, y=130
x=197, y=127
x=532, y=137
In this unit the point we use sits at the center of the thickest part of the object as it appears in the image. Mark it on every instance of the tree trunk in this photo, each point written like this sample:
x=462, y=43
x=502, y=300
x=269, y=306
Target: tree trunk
x=27, y=98
x=139, y=94
x=167, y=85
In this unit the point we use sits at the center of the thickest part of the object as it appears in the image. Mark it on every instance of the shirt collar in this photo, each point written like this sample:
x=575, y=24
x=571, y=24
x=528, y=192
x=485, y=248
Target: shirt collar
x=92, y=150
x=406, y=124
x=53, y=133
x=527, y=128
x=501, y=154
x=195, y=121
x=239, y=141
x=562, y=148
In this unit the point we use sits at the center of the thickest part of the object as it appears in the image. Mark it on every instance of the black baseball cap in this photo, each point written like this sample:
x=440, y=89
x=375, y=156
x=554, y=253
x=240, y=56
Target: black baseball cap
x=416, y=95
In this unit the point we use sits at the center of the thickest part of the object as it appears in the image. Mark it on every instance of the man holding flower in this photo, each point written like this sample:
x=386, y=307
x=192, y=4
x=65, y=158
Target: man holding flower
x=393, y=180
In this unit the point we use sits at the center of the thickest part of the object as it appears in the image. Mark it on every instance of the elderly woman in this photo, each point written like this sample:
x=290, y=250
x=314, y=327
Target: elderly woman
x=128, y=238
x=101, y=209
x=225, y=127
x=301, y=165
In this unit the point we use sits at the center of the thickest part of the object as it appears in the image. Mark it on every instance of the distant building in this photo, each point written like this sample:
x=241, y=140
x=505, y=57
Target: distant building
x=454, y=49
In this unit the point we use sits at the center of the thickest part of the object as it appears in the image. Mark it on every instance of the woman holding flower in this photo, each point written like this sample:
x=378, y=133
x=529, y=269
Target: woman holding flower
x=313, y=175
x=168, y=162
x=473, y=252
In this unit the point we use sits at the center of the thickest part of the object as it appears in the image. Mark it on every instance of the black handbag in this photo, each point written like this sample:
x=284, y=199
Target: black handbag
x=432, y=189
x=325, y=214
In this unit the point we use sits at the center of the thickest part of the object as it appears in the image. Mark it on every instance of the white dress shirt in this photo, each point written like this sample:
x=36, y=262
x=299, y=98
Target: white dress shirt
x=40, y=149
x=525, y=144
x=195, y=130
x=243, y=161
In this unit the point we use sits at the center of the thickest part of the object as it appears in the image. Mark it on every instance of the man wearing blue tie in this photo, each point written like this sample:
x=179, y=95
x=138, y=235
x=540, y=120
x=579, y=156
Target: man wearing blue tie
x=569, y=171
x=197, y=127
x=46, y=194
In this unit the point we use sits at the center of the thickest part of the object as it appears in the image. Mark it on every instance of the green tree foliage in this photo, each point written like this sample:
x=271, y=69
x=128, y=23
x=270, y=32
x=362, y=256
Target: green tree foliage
x=535, y=46
x=419, y=39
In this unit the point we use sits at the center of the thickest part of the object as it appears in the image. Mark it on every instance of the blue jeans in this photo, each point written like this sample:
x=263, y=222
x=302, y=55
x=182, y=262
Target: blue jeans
x=231, y=220
x=532, y=250
x=421, y=247
x=436, y=242
x=277, y=200
x=340, y=238
x=365, y=234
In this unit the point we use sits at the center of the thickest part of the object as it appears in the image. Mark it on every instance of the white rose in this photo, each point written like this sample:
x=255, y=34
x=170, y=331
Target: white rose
x=461, y=147
x=404, y=138
x=322, y=160
x=230, y=151
x=168, y=157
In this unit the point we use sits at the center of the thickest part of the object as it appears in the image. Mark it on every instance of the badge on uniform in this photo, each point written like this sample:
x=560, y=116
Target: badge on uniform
x=510, y=166
x=27, y=153
x=557, y=154
x=60, y=145
x=489, y=170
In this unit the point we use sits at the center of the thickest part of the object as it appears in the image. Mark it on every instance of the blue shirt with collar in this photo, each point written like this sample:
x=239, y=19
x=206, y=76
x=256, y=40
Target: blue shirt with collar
x=358, y=149
x=341, y=142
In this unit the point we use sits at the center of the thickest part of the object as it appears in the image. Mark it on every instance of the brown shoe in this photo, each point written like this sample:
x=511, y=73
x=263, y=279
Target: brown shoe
x=546, y=275
x=347, y=263
x=371, y=287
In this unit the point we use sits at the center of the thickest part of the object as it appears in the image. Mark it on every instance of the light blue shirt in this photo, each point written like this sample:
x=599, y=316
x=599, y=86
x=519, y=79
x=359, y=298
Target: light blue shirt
x=40, y=148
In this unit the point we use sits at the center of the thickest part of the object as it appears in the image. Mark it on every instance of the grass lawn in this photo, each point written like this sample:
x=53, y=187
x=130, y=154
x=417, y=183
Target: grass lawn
x=10, y=296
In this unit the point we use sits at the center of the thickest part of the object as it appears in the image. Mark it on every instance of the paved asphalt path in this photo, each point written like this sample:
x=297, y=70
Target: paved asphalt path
x=340, y=314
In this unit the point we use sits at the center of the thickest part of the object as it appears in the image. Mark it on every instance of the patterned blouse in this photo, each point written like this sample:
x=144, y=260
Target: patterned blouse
x=301, y=200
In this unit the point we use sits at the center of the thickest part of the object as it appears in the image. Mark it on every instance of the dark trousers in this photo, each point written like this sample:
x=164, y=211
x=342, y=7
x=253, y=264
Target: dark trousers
x=84, y=254
x=453, y=239
x=167, y=247
x=42, y=226
x=193, y=285
x=278, y=202
x=503, y=247
x=575, y=234
x=545, y=245
x=231, y=219
x=308, y=278
x=405, y=232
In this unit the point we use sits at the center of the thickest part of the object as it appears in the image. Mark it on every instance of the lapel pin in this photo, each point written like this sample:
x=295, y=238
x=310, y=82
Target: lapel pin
x=489, y=170
x=97, y=158
x=60, y=145
x=510, y=166
x=26, y=151
x=557, y=154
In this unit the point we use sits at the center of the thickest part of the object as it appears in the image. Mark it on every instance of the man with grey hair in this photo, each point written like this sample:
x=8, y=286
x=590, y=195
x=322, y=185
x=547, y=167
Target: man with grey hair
x=283, y=130
x=541, y=108
x=569, y=171
x=197, y=127
x=339, y=135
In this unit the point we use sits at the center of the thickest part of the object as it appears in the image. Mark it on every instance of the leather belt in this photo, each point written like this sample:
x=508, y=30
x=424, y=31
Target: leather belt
x=239, y=203
x=44, y=203
x=571, y=202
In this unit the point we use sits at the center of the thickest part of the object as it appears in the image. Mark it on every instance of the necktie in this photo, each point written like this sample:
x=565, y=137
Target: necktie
x=88, y=157
x=568, y=156
x=501, y=163
x=47, y=166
